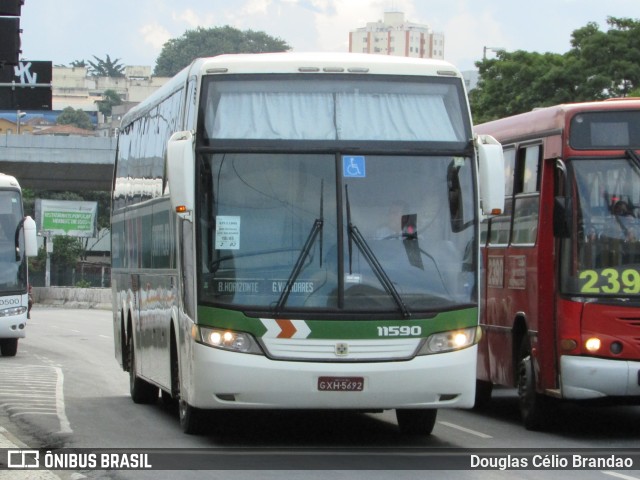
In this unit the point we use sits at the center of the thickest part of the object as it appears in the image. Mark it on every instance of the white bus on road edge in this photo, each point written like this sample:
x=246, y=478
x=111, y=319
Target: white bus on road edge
x=17, y=242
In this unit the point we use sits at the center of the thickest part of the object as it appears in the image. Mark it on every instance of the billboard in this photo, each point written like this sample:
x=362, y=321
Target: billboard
x=66, y=218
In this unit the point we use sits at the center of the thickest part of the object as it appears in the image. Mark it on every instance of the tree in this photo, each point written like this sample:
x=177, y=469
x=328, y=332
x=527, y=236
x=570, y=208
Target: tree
x=110, y=98
x=78, y=63
x=77, y=118
x=609, y=62
x=177, y=53
x=516, y=82
x=600, y=65
x=106, y=67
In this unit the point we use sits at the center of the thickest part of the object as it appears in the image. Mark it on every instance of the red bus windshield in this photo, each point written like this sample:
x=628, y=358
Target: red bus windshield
x=606, y=260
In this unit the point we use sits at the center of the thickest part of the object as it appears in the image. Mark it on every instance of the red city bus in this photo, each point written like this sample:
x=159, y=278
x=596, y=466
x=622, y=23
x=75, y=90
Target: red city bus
x=561, y=316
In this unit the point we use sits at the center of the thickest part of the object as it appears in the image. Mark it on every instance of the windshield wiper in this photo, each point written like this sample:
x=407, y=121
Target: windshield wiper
x=634, y=157
x=316, y=228
x=378, y=270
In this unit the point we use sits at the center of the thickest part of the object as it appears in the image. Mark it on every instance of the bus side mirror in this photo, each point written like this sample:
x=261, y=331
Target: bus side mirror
x=30, y=237
x=562, y=217
x=30, y=240
x=491, y=174
x=181, y=173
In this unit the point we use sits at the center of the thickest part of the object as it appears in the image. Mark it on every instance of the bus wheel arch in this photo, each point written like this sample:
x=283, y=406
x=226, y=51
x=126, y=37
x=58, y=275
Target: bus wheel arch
x=140, y=390
x=190, y=417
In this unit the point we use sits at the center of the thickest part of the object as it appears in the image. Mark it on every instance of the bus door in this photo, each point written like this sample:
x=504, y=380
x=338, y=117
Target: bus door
x=512, y=259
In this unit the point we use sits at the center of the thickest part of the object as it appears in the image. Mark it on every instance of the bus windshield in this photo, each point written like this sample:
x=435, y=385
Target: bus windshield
x=335, y=108
x=608, y=220
x=347, y=232
x=13, y=273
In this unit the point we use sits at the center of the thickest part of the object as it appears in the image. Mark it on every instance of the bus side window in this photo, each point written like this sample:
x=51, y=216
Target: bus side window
x=527, y=196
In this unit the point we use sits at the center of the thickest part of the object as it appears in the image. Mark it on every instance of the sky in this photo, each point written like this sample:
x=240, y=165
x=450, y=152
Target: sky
x=134, y=31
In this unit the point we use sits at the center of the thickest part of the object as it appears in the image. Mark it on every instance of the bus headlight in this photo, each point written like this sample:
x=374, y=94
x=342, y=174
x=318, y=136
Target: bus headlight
x=226, y=339
x=593, y=344
x=9, y=312
x=449, y=341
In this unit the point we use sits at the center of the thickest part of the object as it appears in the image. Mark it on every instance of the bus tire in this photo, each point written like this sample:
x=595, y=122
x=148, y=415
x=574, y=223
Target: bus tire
x=483, y=394
x=533, y=406
x=141, y=391
x=416, y=422
x=9, y=347
x=191, y=418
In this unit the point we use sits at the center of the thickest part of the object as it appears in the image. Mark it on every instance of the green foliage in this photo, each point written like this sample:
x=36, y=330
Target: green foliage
x=77, y=118
x=516, y=81
x=177, y=53
x=66, y=252
x=110, y=98
x=106, y=67
x=599, y=65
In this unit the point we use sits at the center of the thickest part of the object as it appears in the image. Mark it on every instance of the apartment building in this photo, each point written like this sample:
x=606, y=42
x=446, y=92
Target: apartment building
x=74, y=87
x=395, y=36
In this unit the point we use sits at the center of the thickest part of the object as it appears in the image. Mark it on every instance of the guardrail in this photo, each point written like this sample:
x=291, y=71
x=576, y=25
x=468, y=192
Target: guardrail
x=72, y=297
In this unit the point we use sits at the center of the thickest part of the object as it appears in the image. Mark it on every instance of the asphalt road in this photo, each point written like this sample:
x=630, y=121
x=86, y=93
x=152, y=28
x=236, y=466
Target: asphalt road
x=64, y=389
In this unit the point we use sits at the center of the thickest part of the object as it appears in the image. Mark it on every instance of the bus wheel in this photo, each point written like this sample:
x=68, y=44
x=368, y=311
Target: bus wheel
x=9, y=347
x=416, y=422
x=141, y=390
x=532, y=405
x=483, y=394
x=190, y=418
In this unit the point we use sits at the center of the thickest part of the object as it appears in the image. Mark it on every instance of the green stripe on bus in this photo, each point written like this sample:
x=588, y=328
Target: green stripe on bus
x=344, y=329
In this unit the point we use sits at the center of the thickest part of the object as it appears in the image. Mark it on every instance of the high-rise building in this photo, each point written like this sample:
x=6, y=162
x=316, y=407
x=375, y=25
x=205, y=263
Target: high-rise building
x=395, y=36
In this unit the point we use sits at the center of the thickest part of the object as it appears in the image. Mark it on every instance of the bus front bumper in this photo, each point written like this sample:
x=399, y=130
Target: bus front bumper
x=585, y=378
x=13, y=326
x=223, y=379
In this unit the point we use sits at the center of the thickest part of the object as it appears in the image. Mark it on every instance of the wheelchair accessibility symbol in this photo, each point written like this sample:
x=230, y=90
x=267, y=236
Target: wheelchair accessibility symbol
x=353, y=166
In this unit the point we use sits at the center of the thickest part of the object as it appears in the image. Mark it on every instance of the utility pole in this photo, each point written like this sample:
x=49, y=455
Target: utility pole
x=491, y=49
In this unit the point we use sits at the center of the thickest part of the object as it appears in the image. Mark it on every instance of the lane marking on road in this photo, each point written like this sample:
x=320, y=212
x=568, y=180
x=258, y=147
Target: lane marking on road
x=620, y=475
x=466, y=430
x=34, y=390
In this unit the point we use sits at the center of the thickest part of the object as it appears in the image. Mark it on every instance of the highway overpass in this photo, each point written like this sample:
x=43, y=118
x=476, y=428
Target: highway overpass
x=49, y=162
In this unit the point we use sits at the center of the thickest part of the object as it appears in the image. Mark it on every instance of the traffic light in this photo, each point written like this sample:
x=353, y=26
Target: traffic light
x=10, y=31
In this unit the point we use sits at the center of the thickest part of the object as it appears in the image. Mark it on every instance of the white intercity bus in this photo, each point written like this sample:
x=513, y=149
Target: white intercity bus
x=17, y=242
x=301, y=231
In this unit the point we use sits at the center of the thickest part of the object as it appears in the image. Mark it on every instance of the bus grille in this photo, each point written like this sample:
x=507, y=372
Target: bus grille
x=341, y=351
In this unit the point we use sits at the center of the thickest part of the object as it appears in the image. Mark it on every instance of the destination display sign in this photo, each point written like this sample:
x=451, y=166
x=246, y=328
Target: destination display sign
x=261, y=286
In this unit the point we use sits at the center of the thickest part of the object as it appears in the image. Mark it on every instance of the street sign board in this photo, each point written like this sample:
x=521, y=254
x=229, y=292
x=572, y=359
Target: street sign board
x=66, y=218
